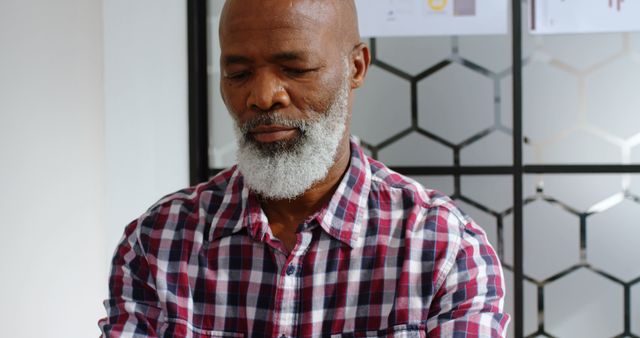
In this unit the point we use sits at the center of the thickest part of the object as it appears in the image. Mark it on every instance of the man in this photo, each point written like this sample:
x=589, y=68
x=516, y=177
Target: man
x=306, y=237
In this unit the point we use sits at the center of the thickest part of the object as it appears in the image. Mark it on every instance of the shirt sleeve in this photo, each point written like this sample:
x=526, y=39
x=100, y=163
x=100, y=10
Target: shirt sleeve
x=469, y=301
x=132, y=307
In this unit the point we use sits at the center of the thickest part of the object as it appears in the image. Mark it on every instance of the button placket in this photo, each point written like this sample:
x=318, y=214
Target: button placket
x=289, y=289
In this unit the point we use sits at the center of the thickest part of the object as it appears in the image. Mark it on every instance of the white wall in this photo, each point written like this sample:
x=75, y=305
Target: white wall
x=93, y=129
x=146, y=103
x=52, y=172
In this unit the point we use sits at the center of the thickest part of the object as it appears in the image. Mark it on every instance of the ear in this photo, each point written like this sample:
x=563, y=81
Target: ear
x=360, y=60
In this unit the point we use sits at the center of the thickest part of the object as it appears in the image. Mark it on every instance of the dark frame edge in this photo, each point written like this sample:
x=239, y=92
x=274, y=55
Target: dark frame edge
x=197, y=15
x=518, y=170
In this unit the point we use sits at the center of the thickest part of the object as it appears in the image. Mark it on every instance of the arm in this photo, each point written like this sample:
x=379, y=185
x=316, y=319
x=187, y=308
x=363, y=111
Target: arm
x=470, y=299
x=132, y=307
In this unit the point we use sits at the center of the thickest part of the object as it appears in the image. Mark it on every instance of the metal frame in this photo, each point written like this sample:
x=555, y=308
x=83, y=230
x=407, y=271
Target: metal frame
x=199, y=141
x=518, y=170
x=197, y=15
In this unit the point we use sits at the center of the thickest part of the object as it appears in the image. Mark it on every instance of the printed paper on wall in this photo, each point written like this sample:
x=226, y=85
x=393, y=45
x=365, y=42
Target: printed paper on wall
x=584, y=16
x=431, y=17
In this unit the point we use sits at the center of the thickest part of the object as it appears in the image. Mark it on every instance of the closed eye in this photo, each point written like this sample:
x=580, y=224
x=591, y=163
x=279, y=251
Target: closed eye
x=296, y=72
x=237, y=76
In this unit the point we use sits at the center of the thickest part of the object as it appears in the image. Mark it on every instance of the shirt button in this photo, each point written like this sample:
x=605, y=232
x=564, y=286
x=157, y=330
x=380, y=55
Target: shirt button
x=290, y=270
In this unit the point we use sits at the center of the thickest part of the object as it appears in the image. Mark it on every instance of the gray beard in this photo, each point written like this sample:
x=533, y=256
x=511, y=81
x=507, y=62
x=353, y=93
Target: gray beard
x=287, y=169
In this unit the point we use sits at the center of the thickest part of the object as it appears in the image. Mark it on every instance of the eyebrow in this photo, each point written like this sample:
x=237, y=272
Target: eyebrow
x=290, y=56
x=234, y=59
x=279, y=57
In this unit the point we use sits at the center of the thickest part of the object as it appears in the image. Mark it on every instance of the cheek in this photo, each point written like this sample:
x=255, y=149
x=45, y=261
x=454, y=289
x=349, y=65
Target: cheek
x=232, y=98
x=319, y=96
x=321, y=99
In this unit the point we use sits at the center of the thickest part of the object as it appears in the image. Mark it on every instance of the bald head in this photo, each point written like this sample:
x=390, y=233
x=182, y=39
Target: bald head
x=337, y=18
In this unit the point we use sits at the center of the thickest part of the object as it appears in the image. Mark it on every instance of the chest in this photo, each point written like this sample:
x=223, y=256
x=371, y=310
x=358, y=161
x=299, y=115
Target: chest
x=241, y=287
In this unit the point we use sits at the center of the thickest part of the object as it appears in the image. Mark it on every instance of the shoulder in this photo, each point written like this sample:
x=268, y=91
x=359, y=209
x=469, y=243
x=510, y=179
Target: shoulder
x=405, y=192
x=429, y=216
x=431, y=220
x=187, y=210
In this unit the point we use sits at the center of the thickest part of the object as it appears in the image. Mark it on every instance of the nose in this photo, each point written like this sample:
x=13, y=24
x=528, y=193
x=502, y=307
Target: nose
x=267, y=93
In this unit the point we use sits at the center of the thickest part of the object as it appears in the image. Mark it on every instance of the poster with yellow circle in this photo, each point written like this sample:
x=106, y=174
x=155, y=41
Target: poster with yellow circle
x=432, y=17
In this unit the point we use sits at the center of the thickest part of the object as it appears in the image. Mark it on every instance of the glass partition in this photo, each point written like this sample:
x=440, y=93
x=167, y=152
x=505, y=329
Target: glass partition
x=444, y=105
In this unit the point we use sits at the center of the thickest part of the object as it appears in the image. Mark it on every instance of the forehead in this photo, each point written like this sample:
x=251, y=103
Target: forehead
x=276, y=23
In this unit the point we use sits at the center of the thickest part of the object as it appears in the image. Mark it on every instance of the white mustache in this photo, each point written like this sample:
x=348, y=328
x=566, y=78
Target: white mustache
x=274, y=118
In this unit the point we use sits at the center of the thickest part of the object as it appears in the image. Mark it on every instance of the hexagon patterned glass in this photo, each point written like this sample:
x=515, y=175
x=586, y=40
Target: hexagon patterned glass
x=446, y=102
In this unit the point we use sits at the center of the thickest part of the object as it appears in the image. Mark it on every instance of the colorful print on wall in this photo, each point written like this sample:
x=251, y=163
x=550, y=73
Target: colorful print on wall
x=584, y=16
x=381, y=18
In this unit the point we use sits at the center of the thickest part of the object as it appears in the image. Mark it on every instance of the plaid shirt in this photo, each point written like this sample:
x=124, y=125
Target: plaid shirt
x=384, y=258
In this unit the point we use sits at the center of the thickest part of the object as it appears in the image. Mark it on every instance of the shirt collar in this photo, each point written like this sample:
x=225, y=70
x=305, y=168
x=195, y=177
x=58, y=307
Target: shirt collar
x=342, y=218
x=230, y=216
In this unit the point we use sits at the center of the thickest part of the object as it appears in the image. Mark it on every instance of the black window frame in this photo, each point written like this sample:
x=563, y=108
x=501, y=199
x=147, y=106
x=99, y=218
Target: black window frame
x=200, y=170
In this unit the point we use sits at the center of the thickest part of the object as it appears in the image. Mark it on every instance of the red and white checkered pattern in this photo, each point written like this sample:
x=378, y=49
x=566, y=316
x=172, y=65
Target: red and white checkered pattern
x=384, y=258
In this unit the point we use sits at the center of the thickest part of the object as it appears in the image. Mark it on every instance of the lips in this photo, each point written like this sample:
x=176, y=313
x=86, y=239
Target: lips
x=272, y=133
